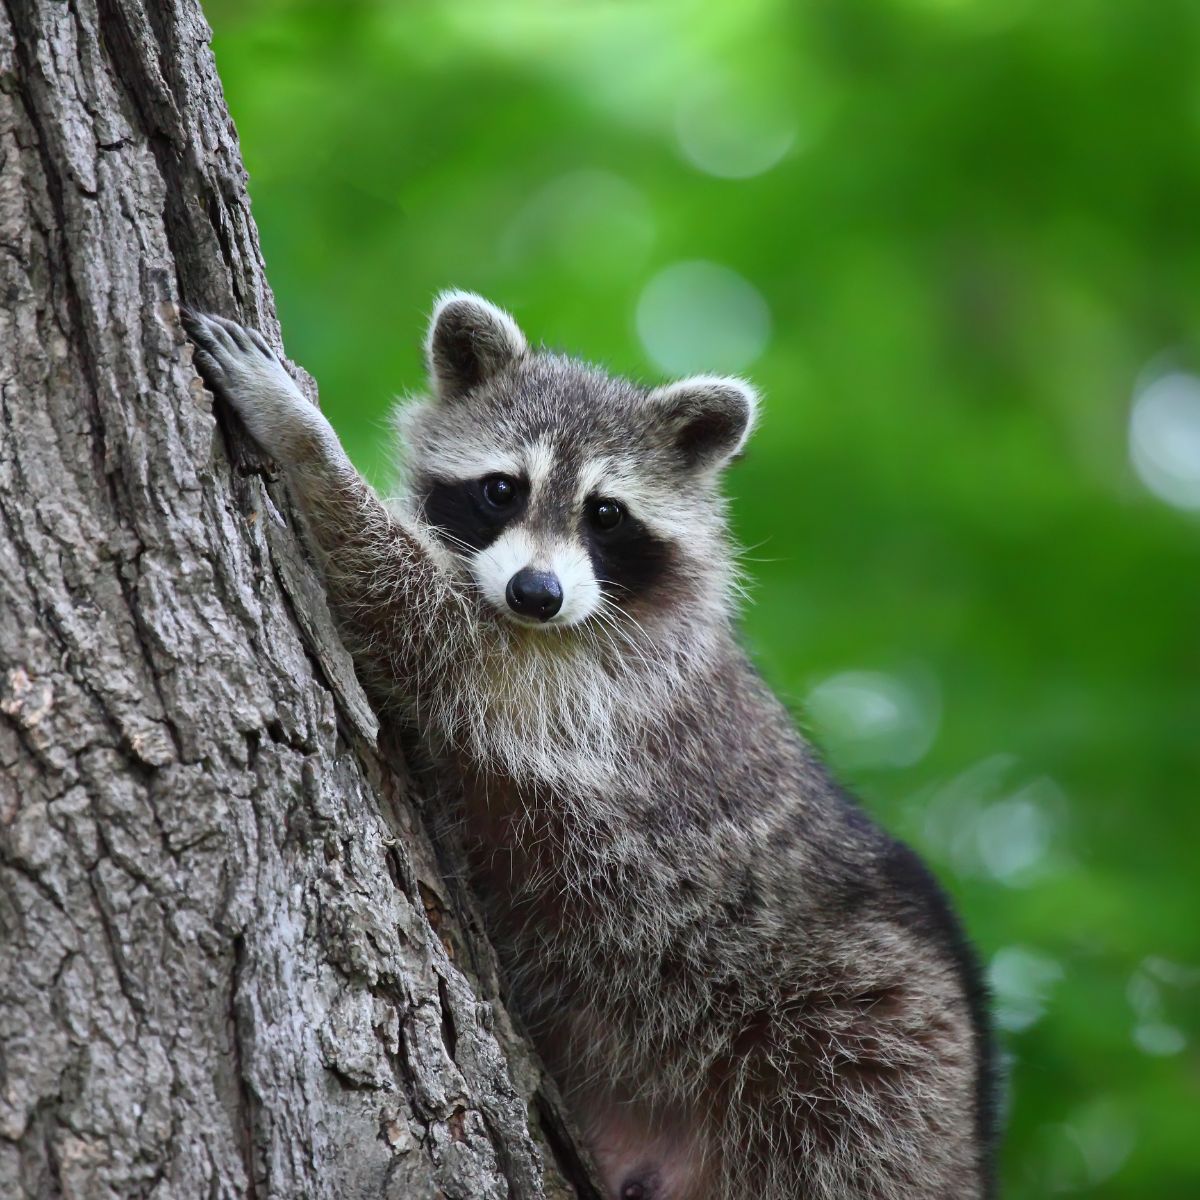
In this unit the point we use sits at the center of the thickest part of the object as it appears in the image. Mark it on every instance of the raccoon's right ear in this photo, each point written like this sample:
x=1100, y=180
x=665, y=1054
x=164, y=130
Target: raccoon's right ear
x=469, y=340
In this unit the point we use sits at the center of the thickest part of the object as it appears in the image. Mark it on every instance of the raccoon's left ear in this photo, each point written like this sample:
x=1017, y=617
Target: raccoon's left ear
x=469, y=340
x=707, y=418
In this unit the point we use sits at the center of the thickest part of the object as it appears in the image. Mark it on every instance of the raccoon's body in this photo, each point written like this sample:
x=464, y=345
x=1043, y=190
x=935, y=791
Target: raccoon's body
x=743, y=986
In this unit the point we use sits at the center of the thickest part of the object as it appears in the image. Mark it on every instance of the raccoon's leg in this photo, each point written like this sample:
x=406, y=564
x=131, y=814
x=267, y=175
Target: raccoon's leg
x=384, y=582
x=238, y=364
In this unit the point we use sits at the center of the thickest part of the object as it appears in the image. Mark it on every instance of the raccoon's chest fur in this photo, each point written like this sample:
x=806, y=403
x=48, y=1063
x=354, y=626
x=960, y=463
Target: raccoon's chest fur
x=517, y=839
x=605, y=925
x=557, y=890
x=508, y=836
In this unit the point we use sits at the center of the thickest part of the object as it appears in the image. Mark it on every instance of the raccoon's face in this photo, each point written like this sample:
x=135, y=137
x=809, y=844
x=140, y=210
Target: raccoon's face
x=567, y=495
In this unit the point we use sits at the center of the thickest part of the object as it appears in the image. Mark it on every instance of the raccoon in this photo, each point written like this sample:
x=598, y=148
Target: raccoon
x=743, y=986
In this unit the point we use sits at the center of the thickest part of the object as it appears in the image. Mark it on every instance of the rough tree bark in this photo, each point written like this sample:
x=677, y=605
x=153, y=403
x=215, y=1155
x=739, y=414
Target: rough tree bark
x=229, y=965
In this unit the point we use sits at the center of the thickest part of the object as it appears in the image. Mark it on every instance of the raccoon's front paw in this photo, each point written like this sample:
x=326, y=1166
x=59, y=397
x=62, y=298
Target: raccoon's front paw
x=239, y=366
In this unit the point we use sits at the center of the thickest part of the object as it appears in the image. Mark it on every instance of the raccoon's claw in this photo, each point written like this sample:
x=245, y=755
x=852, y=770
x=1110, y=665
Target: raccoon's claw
x=238, y=365
x=223, y=346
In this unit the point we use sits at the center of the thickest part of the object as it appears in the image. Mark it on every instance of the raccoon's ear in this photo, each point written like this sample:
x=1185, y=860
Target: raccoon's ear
x=707, y=418
x=469, y=340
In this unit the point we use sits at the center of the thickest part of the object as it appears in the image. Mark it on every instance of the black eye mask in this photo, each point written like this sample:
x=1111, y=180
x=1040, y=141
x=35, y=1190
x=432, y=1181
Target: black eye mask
x=627, y=558
x=472, y=513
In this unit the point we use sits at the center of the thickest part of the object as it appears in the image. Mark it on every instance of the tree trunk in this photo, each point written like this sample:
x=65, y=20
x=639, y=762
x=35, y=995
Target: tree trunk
x=229, y=965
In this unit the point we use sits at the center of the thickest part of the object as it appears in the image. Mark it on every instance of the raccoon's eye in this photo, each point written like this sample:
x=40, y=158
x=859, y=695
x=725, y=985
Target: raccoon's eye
x=607, y=514
x=499, y=491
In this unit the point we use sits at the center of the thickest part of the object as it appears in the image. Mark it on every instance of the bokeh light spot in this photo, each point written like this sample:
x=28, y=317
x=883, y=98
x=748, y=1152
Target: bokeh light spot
x=1013, y=835
x=1181, y=975
x=988, y=828
x=1159, y=1039
x=871, y=719
x=1164, y=438
x=1091, y=1146
x=729, y=131
x=701, y=316
x=1153, y=1034
x=1021, y=980
x=591, y=223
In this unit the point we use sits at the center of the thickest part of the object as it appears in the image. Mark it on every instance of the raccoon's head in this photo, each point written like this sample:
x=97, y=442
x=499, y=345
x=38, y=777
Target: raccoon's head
x=568, y=496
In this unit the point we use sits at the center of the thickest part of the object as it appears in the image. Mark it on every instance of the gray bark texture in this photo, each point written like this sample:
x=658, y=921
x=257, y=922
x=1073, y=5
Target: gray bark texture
x=230, y=964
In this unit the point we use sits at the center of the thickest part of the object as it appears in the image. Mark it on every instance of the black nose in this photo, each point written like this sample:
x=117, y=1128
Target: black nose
x=535, y=594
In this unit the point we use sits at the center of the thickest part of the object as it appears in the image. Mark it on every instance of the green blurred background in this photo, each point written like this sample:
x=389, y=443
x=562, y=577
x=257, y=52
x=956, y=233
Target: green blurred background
x=955, y=242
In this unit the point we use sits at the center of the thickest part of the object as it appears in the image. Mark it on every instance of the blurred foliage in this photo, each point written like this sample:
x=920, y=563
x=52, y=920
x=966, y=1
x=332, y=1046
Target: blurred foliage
x=960, y=239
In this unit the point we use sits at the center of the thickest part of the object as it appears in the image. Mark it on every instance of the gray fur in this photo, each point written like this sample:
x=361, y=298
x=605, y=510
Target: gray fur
x=744, y=987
